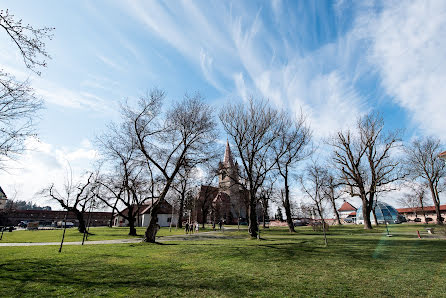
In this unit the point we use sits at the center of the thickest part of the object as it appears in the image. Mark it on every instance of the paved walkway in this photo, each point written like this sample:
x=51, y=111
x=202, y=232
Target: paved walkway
x=197, y=236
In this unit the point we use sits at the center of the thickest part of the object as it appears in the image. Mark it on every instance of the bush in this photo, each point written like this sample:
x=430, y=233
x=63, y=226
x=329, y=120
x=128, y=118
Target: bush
x=317, y=226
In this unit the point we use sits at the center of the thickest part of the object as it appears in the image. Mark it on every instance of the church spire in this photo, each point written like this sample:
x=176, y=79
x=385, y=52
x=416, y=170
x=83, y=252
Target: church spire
x=227, y=160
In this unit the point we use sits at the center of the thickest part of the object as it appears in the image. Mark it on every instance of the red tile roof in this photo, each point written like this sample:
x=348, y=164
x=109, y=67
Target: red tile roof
x=442, y=154
x=347, y=207
x=418, y=209
x=353, y=213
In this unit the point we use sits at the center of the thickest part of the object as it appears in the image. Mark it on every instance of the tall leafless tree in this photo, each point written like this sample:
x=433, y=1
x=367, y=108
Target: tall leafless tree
x=364, y=160
x=18, y=103
x=253, y=127
x=167, y=140
x=289, y=149
x=127, y=182
x=415, y=198
x=423, y=163
x=207, y=192
x=332, y=192
x=183, y=186
x=312, y=183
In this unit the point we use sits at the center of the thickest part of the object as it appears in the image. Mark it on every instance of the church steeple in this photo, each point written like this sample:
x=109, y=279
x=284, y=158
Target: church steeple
x=227, y=160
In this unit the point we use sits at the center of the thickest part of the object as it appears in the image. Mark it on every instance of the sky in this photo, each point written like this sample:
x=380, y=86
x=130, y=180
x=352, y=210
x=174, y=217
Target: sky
x=334, y=60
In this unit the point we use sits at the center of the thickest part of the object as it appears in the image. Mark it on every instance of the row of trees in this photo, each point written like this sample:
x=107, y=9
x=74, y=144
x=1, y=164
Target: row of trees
x=153, y=153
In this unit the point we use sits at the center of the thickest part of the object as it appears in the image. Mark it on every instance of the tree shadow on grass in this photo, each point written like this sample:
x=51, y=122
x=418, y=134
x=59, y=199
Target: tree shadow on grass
x=84, y=278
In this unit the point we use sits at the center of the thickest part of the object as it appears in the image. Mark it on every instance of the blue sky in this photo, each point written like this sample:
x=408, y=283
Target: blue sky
x=335, y=60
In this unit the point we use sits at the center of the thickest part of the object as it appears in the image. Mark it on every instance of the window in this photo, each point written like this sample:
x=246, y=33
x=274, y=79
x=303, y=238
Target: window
x=168, y=219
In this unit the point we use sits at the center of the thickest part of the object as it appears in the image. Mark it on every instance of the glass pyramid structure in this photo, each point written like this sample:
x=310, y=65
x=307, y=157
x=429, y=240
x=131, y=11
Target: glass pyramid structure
x=384, y=213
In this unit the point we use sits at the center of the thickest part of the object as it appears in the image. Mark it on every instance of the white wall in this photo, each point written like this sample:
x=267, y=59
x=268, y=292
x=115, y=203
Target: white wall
x=163, y=220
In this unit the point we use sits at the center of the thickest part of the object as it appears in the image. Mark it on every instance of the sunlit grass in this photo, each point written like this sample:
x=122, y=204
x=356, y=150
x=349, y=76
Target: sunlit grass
x=355, y=263
x=72, y=234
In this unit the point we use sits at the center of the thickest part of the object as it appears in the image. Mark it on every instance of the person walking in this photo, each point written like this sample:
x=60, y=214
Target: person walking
x=187, y=227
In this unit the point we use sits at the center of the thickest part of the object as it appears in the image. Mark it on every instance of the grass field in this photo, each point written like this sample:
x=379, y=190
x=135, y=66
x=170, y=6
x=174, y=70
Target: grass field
x=72, y=234
x=356, y=263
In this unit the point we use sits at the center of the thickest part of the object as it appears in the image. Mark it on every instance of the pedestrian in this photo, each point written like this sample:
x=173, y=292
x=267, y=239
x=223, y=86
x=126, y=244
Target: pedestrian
x=187, y=227
x=220, y=224
x=196, y=227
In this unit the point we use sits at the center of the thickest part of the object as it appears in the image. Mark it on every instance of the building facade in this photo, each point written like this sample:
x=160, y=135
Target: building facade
x=142, y=214
x=228, y=201
x=426, y=214
x=347, y=210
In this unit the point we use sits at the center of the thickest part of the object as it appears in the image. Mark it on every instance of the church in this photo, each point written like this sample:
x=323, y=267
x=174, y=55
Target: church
x=227, y=202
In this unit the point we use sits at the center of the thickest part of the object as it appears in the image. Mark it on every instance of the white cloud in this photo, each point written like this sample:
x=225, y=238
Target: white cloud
x=111, y=63
x=44, y=164
x=408, y=48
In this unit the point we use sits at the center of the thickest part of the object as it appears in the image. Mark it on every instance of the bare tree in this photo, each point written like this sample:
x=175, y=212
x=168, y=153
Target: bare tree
x=266, y=194
x=364, y=161
x=415, y=199
x=183, y=186
x=423, y=163
x=289, y=149
x=254, y=127
x=167, y=140
x=127, y=183
x=312, y=183
x=207, y=193
x=29, y=40
x=332, y=192
x=18, y=103
x=75, y=198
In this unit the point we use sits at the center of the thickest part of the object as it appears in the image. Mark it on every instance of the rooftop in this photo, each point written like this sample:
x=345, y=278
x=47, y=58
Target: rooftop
x=347, y=207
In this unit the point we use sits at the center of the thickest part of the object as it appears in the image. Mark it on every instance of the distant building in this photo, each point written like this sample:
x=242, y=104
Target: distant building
x=347, y=210
x=142, y=215
x=50, y=218
x=417, y=212
x=3, y=199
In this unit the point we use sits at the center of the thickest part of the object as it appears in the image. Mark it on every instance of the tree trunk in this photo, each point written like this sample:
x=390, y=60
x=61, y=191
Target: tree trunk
x=338, y=218
x=132, y=231
x=366, y=215
x=152, y=229
x=180, y=212
x=319, y=210
x=287, y=206
x=436, y=203
x=333, y=203
x=80, y=218
x=253, y=227
x=204, y=215
x=374, y=217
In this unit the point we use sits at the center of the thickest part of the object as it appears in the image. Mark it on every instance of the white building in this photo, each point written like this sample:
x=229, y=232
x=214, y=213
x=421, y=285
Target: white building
x=347, y=210
x=143, y=216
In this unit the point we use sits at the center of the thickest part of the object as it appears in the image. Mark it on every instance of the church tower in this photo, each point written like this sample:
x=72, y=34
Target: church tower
x=228, y=176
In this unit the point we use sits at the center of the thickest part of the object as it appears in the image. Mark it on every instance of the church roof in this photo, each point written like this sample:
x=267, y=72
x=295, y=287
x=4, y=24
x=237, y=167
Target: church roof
x=227, y=160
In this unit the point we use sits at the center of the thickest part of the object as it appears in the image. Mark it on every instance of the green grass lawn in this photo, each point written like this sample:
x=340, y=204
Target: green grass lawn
x=356, y=263
x=72, y=234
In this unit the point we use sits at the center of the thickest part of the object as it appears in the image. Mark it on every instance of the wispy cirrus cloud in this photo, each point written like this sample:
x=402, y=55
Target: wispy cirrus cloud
x=408, y=39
